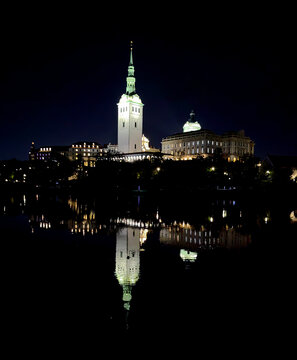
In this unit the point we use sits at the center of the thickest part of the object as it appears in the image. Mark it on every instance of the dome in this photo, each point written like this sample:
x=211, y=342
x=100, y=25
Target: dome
x=191, y=124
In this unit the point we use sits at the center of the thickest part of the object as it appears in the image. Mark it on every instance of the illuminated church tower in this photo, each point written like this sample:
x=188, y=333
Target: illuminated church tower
x=130, y=109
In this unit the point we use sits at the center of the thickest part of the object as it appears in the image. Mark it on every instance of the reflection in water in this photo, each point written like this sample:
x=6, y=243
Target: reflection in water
x=127, y=261
x=95, y=240
x=188, y=256
x=293, y=216
x=190, y=238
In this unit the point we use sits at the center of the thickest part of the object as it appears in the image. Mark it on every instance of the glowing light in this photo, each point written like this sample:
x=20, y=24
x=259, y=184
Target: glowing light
x=187, y=255
x=293, y=217
x=188, y=126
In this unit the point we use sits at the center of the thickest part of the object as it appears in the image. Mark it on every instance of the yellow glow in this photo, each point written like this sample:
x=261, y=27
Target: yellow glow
x=293, y=217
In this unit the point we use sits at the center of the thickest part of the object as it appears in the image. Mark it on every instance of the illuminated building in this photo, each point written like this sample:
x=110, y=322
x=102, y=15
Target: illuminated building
x=145, y=143
x=86, y=152
x=194, y=142
x=45, y=153
x=236, y=145
x=130, y=113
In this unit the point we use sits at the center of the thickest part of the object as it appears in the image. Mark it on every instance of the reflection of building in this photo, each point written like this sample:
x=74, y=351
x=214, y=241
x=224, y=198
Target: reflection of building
x=191, y=239
x=187, y=255
x=193, y=142
x=127, y=265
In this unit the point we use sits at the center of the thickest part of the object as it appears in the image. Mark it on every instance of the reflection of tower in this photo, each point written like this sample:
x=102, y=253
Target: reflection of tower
x=127, y=261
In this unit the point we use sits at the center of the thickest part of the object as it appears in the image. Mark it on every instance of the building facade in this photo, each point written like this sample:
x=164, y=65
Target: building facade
x=45, y=153
x=86, y=152
x=130, y=115
x=191, y=144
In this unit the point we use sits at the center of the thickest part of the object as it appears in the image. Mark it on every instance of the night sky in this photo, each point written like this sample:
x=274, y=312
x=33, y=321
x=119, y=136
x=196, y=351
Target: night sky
x=63, y=72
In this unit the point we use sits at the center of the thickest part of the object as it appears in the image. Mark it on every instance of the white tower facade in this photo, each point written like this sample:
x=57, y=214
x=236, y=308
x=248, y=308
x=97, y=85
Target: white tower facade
x=130, y=115
x=127, y=261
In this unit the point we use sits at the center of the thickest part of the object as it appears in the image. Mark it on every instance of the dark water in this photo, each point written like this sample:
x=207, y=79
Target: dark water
x=183, y=272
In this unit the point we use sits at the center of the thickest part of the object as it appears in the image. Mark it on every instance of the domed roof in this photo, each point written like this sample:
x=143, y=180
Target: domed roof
x=191, y=124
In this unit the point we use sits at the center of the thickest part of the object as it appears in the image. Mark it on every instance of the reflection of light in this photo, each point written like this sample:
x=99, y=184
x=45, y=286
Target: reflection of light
x=143, y=235
x=187, y=255
x=266, y=220
x=293, y=216
x=224, y=213
x=210, y=219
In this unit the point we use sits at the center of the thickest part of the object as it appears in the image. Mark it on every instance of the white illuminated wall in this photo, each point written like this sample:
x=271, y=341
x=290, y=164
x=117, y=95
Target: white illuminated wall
x=130, y=120
x=127, y=261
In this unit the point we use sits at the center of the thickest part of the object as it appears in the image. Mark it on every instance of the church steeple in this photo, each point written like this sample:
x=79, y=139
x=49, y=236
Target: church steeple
x=130, y=88
x=130, y=115
x=131, y=55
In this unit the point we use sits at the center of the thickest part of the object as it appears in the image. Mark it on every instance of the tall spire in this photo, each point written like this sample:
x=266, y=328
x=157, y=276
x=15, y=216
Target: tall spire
x=131, y=56
x=130, y=88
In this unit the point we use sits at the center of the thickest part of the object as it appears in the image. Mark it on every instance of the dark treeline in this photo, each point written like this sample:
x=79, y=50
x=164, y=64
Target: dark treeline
x=211, y=174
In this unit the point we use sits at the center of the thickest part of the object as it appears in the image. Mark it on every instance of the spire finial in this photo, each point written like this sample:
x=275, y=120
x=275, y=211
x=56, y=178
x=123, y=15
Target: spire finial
x=131, y=57
x=192, y=116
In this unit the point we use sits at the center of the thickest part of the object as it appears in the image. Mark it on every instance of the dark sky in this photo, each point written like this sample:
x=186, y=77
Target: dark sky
x=64, y=70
